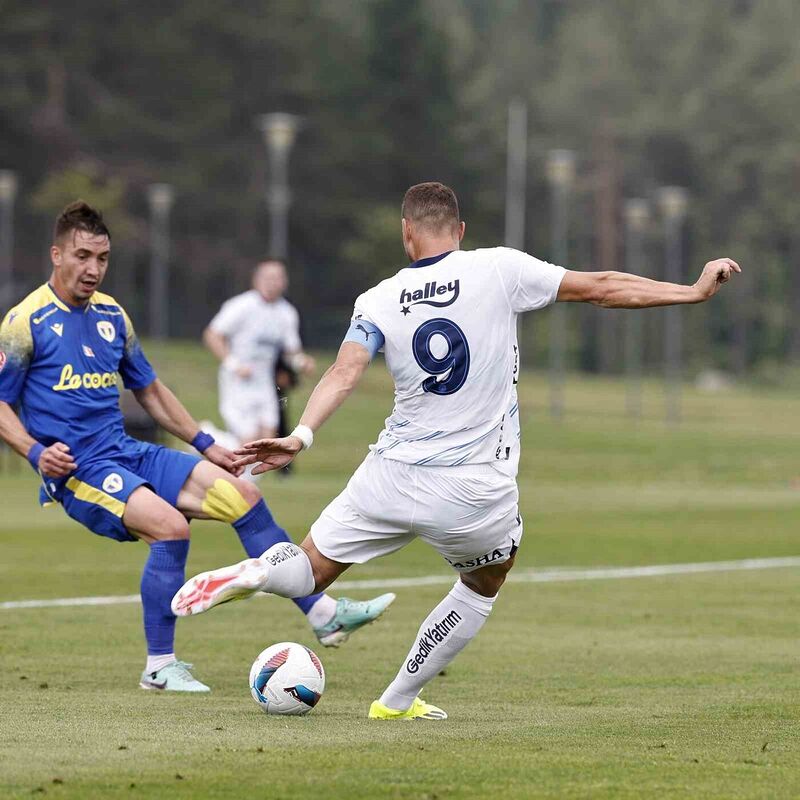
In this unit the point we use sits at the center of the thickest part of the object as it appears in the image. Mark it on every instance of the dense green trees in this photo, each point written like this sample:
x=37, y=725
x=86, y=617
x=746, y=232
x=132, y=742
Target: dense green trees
x=114, y=96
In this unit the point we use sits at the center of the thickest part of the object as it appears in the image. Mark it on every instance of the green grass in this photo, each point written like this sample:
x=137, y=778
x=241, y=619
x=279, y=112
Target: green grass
x=659, y=687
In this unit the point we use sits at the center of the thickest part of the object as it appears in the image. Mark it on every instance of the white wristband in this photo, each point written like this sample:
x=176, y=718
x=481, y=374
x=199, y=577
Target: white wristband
x=304, y=434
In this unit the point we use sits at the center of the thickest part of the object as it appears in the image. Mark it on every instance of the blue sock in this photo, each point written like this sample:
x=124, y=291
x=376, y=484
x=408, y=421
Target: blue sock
x=258, y=531
x=162, y=577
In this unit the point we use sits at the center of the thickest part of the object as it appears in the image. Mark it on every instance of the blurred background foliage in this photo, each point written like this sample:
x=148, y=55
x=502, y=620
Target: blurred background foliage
x=102, y=99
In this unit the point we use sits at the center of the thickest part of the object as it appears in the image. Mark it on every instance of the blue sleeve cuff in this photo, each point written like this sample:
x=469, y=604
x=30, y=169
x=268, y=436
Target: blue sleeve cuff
x=202, y=441
x=366, y=334
x=34, y=454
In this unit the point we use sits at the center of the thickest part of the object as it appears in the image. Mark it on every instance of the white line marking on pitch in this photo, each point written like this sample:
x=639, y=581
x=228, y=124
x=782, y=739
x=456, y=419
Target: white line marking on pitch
x=549, y=575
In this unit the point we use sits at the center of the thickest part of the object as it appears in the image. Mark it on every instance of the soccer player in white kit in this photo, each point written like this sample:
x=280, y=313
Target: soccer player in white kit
x=444, y=467
x=247, y=335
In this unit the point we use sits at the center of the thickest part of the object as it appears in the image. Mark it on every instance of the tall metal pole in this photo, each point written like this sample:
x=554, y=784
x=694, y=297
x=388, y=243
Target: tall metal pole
x=516, y=168
x=160, y=197
x=8, y=193
x=673, y=201
x=279, y=131
x=636, y=214
x=561, y=174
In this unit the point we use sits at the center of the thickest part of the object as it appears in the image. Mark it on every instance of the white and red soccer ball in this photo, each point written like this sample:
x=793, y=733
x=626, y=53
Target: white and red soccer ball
x=287, y=678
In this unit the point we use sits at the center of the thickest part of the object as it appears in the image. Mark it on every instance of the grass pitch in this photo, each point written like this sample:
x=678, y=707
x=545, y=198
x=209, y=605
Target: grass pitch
x=680, y=686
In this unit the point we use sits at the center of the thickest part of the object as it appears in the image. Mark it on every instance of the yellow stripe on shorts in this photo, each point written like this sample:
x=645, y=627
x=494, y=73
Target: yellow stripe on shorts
x=83, y=491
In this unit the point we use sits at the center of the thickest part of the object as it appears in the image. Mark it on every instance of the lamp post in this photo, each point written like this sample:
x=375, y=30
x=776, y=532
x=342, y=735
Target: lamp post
x=637, y=214
x=160, y=198
x=8, y=193
x=561, y=176
x=279, y=131
x=673, y=201
x=516, y=165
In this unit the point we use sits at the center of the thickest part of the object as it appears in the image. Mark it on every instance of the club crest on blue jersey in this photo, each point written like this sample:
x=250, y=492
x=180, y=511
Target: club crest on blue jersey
x=106, y=330
x=432, y=294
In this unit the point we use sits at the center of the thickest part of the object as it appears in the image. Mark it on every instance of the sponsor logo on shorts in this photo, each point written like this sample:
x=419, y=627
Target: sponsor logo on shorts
x=112, y=483
x=106, y=330
x=480, y=561
x=432, y=637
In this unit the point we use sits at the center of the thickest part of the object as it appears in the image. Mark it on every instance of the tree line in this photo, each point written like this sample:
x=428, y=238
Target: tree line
x=103, y=99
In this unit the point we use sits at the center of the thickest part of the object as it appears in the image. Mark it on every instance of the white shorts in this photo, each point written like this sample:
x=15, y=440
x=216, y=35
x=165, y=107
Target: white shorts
x=247, y=407
x=469, y=513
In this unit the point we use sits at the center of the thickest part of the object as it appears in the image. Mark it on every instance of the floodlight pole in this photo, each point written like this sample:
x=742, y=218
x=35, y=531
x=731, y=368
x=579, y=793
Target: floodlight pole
x=279, y=131
x=516, y=167
x=673, y=201
x=561, y=175
x=636, y=213
x=160, y=198
x=8, y=193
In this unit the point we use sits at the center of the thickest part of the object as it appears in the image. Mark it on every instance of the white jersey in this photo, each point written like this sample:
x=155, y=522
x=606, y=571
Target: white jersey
x=450, y=329
x=257, y=331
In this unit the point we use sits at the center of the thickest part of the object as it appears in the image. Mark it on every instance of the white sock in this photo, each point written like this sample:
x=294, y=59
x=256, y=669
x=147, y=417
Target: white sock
x=290, y=573
x=443, y=635
x=155, y=663
x=322, y=611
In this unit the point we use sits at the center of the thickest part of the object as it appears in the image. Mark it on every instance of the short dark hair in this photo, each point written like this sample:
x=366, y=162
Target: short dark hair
x=432, y=205
x=80, y=216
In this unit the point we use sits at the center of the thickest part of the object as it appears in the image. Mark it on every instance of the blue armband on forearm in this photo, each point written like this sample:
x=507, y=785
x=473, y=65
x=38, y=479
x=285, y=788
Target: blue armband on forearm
x=34, y=454
x=202, y=441
x=366, y=334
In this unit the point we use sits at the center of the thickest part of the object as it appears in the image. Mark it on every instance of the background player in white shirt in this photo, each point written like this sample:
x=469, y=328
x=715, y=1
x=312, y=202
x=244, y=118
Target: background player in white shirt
x=444, y=467
x=247, y=335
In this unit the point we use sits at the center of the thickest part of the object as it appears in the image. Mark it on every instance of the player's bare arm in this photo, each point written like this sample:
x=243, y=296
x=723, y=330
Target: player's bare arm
x=335, y=386
x=162, y=405
x=218, y=344
x=624, y=290
x=54, y=462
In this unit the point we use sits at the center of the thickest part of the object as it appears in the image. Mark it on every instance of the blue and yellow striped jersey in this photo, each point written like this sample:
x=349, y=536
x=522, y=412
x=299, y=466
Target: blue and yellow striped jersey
x=60, y=363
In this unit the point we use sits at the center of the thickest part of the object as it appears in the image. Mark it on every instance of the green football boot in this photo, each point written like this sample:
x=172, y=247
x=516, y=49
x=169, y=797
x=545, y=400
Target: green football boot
x=175, y=677
x=350, y=616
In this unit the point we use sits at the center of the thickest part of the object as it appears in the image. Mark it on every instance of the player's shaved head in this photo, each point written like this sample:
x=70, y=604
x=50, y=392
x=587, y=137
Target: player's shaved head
x=80, y=216
x=432, y=206
x=270, y=279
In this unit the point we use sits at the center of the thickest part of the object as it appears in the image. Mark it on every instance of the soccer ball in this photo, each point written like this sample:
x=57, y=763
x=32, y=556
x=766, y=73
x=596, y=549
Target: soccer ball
x=287, y=678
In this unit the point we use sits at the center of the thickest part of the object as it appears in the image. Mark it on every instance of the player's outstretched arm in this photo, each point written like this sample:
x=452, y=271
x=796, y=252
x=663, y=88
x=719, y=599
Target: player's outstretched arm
x=624, y=290
x=162, y=405
x=333, y=389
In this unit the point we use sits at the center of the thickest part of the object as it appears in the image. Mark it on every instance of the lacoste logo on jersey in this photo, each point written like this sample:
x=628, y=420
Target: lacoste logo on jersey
x=106, y=330
x=87, y=351
x=429, y=638
x=69, y=379
x=424, y=296
x=57, y=328
x=367, y=333
x=37, y=320
x=112, y=483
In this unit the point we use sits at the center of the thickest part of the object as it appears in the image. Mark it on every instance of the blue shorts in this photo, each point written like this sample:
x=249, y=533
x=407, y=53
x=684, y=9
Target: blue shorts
x=95, y=495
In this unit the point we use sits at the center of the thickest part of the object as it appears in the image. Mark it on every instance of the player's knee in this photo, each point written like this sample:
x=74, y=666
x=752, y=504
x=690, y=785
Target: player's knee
x=248, y=491
x=172, y=527
x=489, y=580
x=229, y=499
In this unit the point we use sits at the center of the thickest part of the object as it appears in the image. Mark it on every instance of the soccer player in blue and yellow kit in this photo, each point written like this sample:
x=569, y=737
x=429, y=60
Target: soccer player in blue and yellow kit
x=61, y=349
